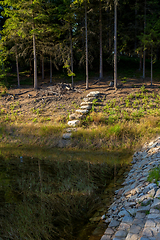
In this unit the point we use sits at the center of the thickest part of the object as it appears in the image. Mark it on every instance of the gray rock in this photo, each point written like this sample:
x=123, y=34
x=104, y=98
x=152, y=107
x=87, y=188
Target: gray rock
x=123, y=213
x=128, y=220
x=75, y=116
x=73, y=123
x=156, y=203
x=144, y=238
x=140, y=215
x=157, y=193
x=105, y=237
x=154, y=216
x=121, y=234
x=131, y=236
x=82, y=111
x=113, y=223
x=88, y=99
x=135, y=229
x=86, y=103
x=93, y=94
x=88, y=107
x=143, y=209
x=158, y=236
x=109, y=231
x=66, y=136
x=147, y=232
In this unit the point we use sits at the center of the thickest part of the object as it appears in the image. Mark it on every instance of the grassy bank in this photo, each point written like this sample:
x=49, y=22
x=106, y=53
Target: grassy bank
x=118, y=124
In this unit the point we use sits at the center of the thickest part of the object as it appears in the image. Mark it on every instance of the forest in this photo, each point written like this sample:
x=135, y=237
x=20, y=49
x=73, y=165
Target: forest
x=77, y=34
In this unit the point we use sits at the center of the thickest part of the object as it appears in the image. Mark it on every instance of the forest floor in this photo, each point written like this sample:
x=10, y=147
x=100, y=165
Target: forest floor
x=122, y=117
x=54, y=102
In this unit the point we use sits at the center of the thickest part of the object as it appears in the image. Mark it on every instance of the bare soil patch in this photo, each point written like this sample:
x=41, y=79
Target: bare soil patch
x=56, y=101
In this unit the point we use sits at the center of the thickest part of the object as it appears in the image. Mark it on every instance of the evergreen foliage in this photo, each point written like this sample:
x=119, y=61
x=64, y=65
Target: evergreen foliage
x=55, y=31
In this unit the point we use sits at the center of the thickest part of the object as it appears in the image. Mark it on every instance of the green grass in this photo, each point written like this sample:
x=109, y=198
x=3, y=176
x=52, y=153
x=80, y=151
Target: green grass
x=154, y=175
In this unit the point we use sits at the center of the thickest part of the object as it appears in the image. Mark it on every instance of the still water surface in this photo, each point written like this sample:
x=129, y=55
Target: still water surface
x=52, y=193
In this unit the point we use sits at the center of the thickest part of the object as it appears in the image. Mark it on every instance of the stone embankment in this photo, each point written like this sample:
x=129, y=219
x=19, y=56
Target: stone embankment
x=135, y=212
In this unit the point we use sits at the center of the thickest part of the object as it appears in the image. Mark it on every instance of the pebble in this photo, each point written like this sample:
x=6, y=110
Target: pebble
x=135, y=212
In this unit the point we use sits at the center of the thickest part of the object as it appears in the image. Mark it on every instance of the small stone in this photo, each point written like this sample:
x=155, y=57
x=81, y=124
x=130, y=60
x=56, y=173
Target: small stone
x=66, y=136
x=123, y=213
x=93, y=94
x=150, y=223
x=86, y=103
x=109, y=231
x=82, y=111
x=157, y=193
x=121, y=234
x=152, y=192
x=147, y=232
x=88, y=99
x=88, y=107
x=158, y=236
x=124, y=226
x=74, y=123
x=128, y=220
x=156, y=203
x=114, y=223
x=140, y=215
x=144, y=238
x=154, y=216
x=135, y=229
x=105, y=237
x=131, y=236
x=143, y=209
x=75, y=116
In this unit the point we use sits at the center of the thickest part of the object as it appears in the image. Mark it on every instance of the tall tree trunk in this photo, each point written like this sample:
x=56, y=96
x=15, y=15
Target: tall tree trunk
x=71, y=55
x=144, y=52
x=140, y=60
x=34, y=54
x=151, y=64
x=42, y=67
x=115, y=44
x=17, y=68
x=86, y=45
x=100, y=38
x=50, y=69
x=135, y=43
x=35, y=63
x=30, y=67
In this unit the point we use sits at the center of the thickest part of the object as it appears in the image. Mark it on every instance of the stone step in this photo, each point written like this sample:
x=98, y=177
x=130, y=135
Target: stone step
x=86, y=103
x=73, y=123
x=82, y=111
x=88, y=107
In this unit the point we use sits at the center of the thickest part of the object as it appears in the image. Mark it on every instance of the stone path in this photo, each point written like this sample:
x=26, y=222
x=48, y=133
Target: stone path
x=80, y=113
x=135, y=212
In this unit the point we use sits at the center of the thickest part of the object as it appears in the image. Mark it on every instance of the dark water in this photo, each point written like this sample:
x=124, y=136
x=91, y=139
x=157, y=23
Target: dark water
x=52, y=194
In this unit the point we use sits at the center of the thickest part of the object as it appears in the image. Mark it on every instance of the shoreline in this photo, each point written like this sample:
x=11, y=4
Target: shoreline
x=135, y=212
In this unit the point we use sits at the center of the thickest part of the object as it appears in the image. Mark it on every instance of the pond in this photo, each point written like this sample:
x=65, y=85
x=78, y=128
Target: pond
x=56, y=194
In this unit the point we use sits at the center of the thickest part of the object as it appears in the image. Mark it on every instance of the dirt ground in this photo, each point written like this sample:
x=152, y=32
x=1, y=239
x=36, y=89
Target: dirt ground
x=57, y=100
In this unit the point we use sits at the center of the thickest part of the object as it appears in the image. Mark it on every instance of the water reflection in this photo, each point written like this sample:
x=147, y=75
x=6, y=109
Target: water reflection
x=54, y=195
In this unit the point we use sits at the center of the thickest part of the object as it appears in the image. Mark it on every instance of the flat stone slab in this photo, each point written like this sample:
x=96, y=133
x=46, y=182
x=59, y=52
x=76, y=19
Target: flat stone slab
x=114, y=223
x=82, y=111
x=86, y=103
x=89, y=99
x=75, y=116
x=73, y=123
x=131, y=236
x=66, y=136
x=93, y=94
x=88, y=107
x=121, y=234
